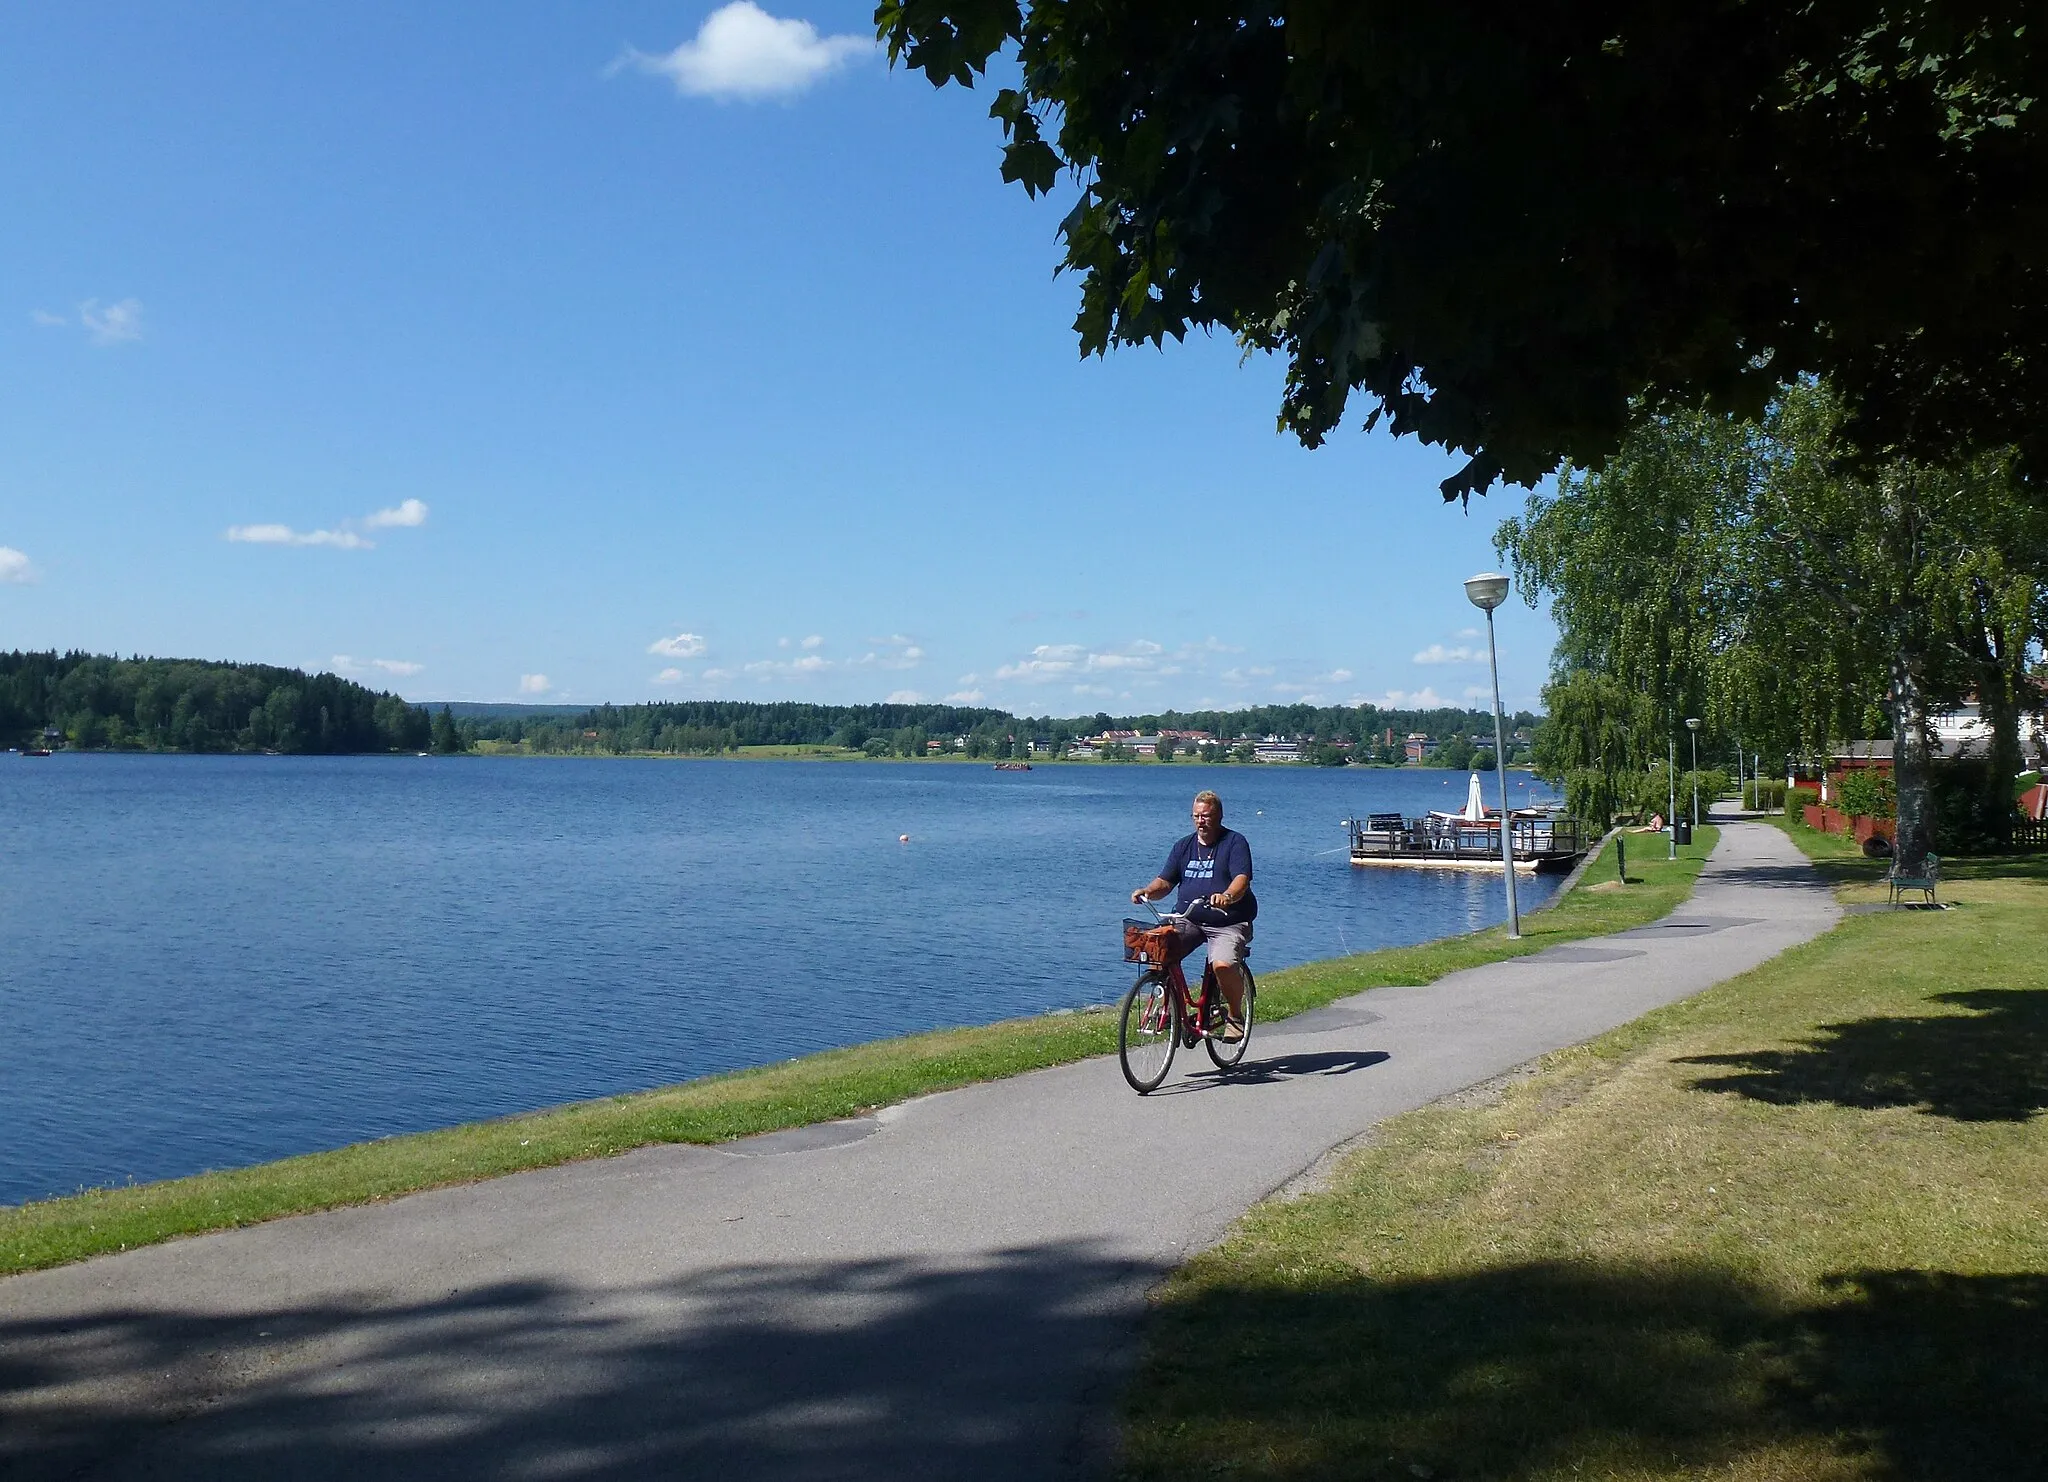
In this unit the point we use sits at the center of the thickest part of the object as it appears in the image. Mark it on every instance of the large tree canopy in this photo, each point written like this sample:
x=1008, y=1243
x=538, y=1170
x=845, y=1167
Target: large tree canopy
x=1733, y=570
x=1501, y=224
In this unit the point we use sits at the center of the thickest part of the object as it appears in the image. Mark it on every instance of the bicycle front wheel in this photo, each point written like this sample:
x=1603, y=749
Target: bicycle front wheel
x=1147, y=1031
x=1227, y=1053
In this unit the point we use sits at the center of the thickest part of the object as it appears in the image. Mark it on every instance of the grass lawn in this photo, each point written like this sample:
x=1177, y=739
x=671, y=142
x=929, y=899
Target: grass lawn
x=1795, y=1227
x=817, y=1088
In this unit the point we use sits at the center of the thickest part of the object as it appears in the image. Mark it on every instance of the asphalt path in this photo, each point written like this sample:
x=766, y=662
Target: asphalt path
x=949, y=1288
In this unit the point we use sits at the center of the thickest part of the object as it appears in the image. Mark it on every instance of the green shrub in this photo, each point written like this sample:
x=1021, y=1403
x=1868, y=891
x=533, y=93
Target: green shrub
x=1868, y=793
x=1968, y=816
x=1765, y=795
x=1713, y=782
x=1796, y=800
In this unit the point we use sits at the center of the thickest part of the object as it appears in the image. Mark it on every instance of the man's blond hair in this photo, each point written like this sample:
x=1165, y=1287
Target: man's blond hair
x=1206, y=796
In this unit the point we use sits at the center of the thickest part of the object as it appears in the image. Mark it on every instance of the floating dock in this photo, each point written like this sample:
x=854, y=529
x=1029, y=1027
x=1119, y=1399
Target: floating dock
x=1543, y=844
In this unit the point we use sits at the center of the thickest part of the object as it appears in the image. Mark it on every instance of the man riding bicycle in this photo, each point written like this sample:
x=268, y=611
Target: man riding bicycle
x=1213, y=868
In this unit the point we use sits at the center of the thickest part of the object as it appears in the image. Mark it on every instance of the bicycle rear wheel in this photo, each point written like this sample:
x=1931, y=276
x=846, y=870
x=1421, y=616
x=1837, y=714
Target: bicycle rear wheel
x=1227, y=1053
x=1147, y=1031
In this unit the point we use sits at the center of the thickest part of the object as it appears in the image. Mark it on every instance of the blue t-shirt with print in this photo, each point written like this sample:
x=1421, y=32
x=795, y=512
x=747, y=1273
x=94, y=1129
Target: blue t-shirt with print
x=1202, y=870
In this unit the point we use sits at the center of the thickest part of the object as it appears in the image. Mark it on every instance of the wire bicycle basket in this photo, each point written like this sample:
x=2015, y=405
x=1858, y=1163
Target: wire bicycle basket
x=1149, y=942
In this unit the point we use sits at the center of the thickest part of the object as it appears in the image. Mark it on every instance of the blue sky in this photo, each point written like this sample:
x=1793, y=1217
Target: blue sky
x=635, y=351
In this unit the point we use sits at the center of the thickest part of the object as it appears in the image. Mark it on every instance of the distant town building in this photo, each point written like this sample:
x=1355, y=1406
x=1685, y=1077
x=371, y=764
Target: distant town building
x=1416, y=747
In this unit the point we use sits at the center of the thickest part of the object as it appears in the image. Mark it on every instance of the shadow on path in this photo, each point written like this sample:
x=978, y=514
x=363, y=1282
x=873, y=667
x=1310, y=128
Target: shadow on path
x=862, y=1369
x=1989, y=1065
x=1790, y=874
x=1554, y=1370
x=1275, y=1069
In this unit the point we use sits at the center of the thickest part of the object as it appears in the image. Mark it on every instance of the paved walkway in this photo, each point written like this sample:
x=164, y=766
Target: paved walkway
x=947, y=1289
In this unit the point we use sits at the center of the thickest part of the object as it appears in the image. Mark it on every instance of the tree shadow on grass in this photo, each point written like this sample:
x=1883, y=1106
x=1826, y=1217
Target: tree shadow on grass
x=1989, y=1065
x=1556, y=1370
x=875, y=1369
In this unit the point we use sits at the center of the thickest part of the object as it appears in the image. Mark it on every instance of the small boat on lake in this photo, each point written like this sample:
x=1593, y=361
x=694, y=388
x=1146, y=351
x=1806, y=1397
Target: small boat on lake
x=1012, y=766
x=1543, y=842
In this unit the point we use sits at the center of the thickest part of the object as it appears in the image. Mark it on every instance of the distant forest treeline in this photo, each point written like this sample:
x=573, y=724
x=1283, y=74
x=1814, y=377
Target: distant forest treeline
x=99, y=703
x=707, y=727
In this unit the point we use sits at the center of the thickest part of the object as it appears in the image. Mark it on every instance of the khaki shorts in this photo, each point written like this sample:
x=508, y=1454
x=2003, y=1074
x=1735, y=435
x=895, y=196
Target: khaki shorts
x=1227, y=944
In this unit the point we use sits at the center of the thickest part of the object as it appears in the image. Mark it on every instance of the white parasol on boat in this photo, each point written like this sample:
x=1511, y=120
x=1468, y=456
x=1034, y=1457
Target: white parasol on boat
x=1475, y=805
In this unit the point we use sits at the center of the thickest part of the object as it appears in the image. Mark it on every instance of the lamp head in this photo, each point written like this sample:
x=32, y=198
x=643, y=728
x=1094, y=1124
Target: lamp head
x=1692, y=723
x=1488, y=589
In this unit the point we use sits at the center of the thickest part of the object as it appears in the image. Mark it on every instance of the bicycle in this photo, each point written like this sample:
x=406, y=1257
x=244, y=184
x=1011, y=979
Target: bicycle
x=1158, y=1015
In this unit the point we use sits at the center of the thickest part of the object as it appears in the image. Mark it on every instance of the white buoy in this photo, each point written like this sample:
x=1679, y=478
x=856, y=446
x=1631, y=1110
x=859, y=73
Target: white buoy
x=903, y=838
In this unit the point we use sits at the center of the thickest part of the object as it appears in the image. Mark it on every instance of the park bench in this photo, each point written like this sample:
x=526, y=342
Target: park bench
x=1924, y=880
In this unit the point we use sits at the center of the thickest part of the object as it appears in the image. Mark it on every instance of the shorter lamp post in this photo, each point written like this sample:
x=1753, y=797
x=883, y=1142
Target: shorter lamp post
x=1693, y=724
x=1487, y=591
x=1671, y=787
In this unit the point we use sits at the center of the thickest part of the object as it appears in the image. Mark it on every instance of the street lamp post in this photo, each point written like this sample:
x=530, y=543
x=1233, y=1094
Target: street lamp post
x=1693, y=724
x=1487, y=591
x=1671, y=786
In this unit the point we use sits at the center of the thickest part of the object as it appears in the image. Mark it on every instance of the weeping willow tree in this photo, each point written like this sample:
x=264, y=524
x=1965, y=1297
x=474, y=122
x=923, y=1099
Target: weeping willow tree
x=1738, y=571
x=1595, y=736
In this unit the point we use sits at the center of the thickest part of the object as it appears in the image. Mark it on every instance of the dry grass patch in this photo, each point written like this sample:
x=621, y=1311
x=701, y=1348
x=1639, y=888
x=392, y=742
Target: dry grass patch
x=1796, y=1227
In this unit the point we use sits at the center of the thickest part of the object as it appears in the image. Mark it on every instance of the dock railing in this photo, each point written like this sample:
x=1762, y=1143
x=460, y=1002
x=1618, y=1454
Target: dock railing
x=1542, y=839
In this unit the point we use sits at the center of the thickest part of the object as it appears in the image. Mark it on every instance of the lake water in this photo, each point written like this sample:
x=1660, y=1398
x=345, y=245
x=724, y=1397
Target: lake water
x=213, y=961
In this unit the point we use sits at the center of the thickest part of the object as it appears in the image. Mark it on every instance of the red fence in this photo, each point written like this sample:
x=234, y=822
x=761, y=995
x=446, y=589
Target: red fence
x=1859, y=827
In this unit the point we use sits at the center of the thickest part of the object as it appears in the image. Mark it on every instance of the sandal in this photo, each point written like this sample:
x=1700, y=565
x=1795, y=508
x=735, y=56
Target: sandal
x=1233, y=1031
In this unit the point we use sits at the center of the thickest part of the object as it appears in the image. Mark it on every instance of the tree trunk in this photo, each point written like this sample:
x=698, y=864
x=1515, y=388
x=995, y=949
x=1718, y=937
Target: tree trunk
x=1915, y=831
x=1996, y=703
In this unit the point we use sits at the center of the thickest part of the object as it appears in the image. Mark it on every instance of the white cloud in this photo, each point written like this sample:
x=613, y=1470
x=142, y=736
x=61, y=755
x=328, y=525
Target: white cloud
x=343, y=537
x=897, y=651
x=403, y=668
x=1046, y=663
x=1436, y=653
x=742, y=52
x=343, y=540
x=16, y=570
x=1052, y=662
x=814, y=641
x=46, y=319
x=670, y=676
x=717, y=676
x=1468, y=633
x=903, y=697
x=682, y=646
x=803, y=668
x=116, y=324
x=534, y=684
x=1425, y=698
x=408, y=515
x=965, y=697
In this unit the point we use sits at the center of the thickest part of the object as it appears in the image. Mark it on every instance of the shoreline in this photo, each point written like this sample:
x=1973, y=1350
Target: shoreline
x=753, y=754
x=826, y=1086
